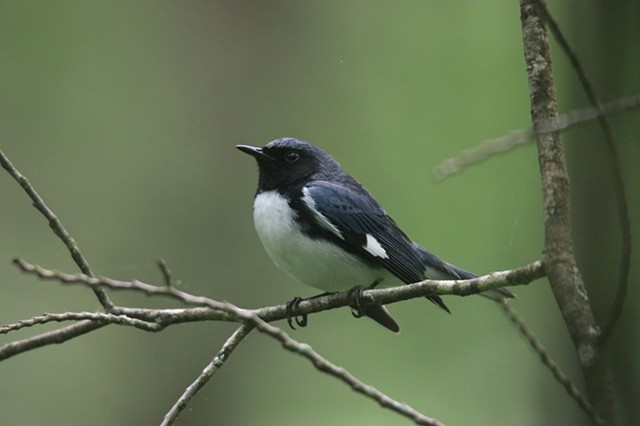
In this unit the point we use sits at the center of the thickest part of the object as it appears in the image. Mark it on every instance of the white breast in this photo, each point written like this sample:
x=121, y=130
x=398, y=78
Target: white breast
x=316, y=263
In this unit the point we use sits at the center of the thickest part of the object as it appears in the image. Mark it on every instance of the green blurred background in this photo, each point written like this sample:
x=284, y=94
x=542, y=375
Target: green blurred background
x=124, y=115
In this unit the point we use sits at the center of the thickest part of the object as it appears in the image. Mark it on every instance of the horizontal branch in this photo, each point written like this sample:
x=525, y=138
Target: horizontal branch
x=259, y=318
x=142, y=318
x=518, y=276
x=49, y=338
x=211, y=310
x=252, y=317
x=98, y=317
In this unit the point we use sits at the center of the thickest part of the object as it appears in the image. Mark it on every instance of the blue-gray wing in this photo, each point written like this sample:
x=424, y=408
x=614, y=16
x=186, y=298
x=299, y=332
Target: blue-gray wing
x=355, y=220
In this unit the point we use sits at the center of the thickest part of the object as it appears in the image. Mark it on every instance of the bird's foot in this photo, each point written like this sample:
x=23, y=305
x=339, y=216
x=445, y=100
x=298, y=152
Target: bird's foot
x=300, y=320
x=357, y=308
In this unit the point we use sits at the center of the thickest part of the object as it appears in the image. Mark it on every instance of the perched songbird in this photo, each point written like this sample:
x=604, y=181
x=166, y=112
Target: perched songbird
x=326, y=230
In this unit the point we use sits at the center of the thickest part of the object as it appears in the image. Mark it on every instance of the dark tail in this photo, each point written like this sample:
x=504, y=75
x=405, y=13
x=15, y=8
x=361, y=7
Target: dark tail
x=438, y=301
x=381, y=315
x=438, y=269
x=498, y=294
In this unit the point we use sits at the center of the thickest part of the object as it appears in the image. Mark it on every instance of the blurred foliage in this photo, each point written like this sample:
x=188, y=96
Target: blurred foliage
x=124, y=116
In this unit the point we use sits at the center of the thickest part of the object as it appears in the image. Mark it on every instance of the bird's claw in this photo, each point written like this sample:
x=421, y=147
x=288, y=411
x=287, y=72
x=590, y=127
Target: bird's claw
x=300, y=320
x=357, y=309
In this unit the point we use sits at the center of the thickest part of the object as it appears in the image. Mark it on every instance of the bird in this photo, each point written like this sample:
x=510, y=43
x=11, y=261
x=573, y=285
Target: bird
x=322, y=227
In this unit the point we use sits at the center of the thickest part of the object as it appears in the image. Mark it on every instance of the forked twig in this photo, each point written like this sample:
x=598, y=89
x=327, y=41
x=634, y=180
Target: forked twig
x=56, y=226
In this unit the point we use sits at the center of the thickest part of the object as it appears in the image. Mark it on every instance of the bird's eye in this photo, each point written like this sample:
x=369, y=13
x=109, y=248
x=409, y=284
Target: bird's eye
x=291, y=157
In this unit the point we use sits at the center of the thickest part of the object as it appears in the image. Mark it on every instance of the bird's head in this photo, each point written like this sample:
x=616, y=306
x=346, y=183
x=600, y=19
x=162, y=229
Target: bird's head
x=288, y=161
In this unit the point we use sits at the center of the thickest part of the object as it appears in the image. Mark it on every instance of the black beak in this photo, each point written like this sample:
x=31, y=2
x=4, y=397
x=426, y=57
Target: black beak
x=254, y=151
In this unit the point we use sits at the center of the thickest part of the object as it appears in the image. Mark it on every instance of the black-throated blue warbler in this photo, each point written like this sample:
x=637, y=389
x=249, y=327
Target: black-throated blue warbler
x=323, y=228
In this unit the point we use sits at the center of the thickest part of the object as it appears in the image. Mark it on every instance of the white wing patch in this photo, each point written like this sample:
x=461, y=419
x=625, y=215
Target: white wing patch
x=320, y=218
x=375, y=248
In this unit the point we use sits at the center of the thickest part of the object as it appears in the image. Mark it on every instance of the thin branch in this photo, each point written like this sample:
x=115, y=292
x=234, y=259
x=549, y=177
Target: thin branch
x=516, y=138
x=616, y=177
x=52, y=337
x=99, y=317
x=244, y=315
x=166, y=273
x=519, y=276
x=301, y=349
x=558, y=255
x=214, y=311
x=211, y=310
x=171, y=316
x=98, y=282
x=225, y=311
x=141, y=318
x=207, y=373
x=56, y=226
x=337, y=372
x=558, y=374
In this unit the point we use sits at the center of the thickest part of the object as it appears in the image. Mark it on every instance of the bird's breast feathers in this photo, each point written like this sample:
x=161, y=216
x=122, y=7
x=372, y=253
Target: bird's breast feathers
x=313, y=261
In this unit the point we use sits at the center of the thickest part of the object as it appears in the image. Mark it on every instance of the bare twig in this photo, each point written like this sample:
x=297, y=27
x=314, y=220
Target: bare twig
x=616, y=177
x=148, y=317
x=516, y=138
x=99, y=317
x=226, y=311
x=244, y=315
x=214, y=311
x=166, y=273
x=210, y=310
x=519, y=276
x=52, y=337
x=337, y=372
x=304, y=350
x=56, y=226
x=558, y=254
x=207, y=373
x=49, y=274
x=562, y=378
x=170, y=316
